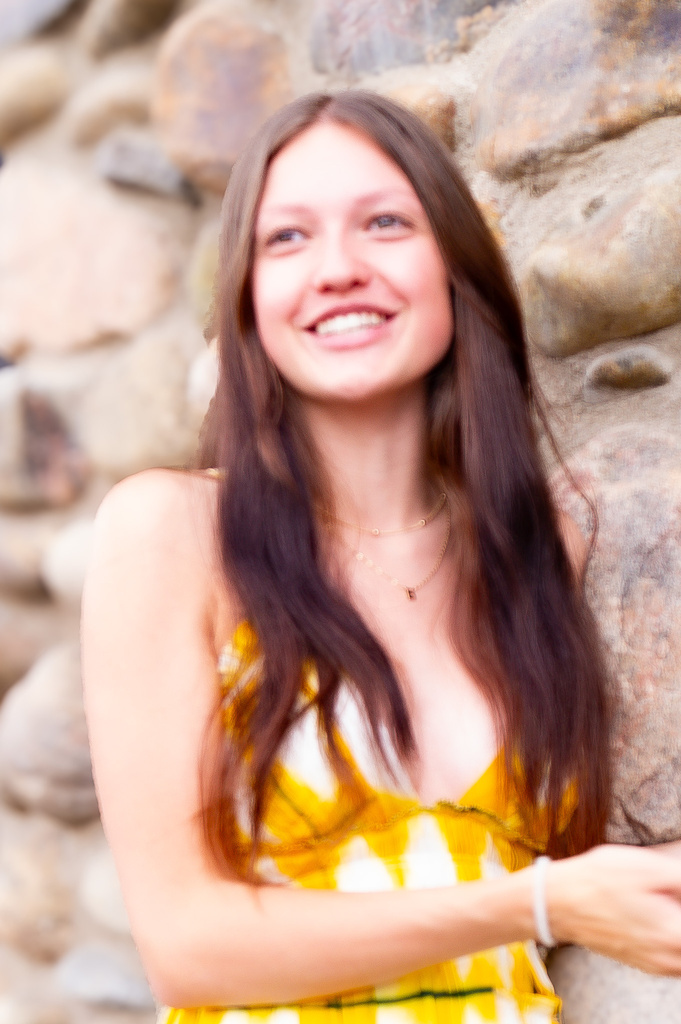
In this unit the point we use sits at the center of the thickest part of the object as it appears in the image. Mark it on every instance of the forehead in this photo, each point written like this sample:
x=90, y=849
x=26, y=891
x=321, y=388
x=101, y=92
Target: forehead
x=331, y=165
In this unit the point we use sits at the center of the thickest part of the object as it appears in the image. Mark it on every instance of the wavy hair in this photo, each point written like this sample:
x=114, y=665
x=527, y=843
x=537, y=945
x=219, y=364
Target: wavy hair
x=519, y=620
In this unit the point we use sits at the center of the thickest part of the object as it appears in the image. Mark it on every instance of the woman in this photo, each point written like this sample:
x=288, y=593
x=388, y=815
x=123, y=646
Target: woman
x=412, y=695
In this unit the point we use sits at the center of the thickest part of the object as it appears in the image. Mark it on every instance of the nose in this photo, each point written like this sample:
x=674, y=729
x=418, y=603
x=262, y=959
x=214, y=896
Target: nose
x=339, y=266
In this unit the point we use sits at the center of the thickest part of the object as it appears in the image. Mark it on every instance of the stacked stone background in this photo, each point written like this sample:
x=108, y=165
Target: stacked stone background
x=119, y=121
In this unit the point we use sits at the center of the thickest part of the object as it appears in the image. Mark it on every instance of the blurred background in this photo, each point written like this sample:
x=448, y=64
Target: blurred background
x=119, y=123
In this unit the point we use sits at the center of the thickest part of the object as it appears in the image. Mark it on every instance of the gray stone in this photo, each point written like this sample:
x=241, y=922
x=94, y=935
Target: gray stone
x=132, y=157
x=40, y=465
x=28, y=628
x=33, y=85
x=65, y=561
x=631, y=473
x=354, y=37
x=217, y=79
x=627, y=369
x=44, y=751
x=111, y=24
x=596, y=990
x=36, y=899
x=137, y=414
x=52, y=223
x=615, y=275
x=432, y=105
x=20, y=19
x=100, y=893
x=116, y=96
x=576, y=72
x=104, y=976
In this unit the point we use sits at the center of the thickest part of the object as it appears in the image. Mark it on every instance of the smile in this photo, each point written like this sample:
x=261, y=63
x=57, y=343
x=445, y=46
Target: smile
x=345, y=323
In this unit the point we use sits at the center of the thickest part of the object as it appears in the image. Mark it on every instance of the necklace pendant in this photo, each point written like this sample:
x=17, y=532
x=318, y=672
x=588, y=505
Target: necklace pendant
x=411, y=593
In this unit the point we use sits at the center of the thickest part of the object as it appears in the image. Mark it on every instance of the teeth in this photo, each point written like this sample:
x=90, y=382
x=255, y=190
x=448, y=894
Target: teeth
x=347, y=322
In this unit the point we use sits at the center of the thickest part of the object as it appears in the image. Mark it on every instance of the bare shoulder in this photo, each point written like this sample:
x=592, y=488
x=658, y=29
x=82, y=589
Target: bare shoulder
x=576, y=545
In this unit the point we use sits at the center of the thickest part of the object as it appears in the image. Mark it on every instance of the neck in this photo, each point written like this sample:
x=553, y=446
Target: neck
x=375, y=459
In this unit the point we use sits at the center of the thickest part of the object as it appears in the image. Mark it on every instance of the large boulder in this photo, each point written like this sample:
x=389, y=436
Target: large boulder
x=111, y=24
x=577, y=72
x=137, y=414
x=28, y=628
x=615, y=275
x=118, y=95
x=104, y=975
x=20, y=19
x=218, y=78
x=40, y=464
x=65, y=561
x=33, y=85
x=133, y=158
x=632, y=475
x=44, y=752
x=354, y=37
x=24, y=540
x=101, y=267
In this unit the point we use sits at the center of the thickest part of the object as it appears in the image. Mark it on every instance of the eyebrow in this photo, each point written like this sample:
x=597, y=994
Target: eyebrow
x=296, y=209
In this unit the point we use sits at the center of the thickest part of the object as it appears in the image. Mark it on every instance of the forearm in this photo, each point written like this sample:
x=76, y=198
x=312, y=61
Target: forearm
x=247, y=946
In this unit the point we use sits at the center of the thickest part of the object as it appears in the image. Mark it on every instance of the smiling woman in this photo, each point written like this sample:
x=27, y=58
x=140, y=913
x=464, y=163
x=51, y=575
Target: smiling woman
x=343, y=684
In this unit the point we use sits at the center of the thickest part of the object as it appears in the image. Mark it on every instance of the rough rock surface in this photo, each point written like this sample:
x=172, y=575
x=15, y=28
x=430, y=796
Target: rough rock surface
x=40, y=466
x=20, y=19
x=116, y=96
x=111, y=24
x=104, y=976
x=23, y=542
x=100, y=893
x=137, y=415
x=217, y=80
x=28, y=628
x=627, y=369
x=614, y=275
x=65, y=561
x=36, y=901
x=431, y=104
x=596, y=990
x=44, y=752
x=203, y=265
x=578, y=71
x=353, y=37
x=133, y=157
x=33, y=85
x=52, y=224
x=633, y=475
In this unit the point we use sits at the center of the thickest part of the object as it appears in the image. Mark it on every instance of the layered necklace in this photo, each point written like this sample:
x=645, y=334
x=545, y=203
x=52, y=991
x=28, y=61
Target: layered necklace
x=420, y=524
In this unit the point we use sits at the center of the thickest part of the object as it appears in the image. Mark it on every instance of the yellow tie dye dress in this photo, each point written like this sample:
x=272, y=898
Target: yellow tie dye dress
x=318, y=837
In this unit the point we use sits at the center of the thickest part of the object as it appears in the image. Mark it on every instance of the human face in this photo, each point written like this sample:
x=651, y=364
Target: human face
x=350, y=291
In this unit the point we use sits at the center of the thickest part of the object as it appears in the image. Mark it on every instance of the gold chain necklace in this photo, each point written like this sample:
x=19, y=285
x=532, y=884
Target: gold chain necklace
x=411, y=591
x=418, y=525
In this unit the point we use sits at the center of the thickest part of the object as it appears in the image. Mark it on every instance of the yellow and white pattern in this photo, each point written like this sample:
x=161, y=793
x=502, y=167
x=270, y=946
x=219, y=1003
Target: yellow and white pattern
x=375, y=835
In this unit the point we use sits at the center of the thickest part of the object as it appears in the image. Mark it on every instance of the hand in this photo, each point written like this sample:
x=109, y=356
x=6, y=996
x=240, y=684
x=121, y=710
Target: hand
x=621, y=901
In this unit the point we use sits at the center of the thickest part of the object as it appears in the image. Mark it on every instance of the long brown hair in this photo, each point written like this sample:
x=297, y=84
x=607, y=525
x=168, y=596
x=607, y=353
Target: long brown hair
x=520, y=623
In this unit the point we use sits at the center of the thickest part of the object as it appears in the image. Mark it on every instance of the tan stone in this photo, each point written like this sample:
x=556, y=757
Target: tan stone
x=578, y=71
x=101, y=267
x=23, y=542
x=218, y=79
x=36, y=900
x=111, y=24
x=44, y=752
x=627, y=369
x=65, y=561
x=137, y=415
x=596, y=990
x=20, y=19
x=432, y=105
x=615, y=275
x=117, y=96
x=203, y=266
x=33, y=85
x=633, y=475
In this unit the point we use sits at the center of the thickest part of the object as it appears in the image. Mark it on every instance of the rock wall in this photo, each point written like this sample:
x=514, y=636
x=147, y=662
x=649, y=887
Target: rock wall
x=119, y=122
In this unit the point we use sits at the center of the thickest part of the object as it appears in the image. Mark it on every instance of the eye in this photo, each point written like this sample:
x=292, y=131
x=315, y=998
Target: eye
x=389, y=221
x=284, y=236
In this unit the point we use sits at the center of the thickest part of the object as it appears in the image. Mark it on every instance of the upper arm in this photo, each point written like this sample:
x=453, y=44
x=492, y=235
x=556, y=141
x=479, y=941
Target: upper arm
x=150, y=638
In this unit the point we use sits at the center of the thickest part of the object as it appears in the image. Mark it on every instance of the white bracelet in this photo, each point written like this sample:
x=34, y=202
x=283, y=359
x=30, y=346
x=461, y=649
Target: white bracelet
x=541, y=917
